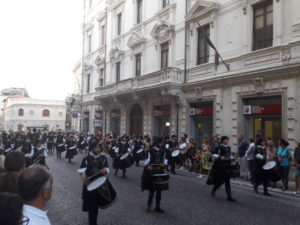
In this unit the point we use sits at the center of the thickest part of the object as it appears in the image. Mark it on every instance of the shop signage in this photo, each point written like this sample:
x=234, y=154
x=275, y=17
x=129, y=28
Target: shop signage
x=272, y=109
x=201, y=111
x=98, y=123
x=115, y=114
x=86, y=115
x=98, y=115
x=158, y=113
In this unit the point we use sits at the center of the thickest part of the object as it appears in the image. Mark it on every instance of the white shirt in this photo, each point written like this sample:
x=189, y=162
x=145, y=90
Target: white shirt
x=250, y=152
x=35, y=215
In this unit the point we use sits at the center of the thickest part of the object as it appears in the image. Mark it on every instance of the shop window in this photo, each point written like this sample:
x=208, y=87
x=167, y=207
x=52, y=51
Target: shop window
x=263, y=25
x=164, y=55
x=203, y=47
x=138, y=64
x=21, y=112
x=46, y=113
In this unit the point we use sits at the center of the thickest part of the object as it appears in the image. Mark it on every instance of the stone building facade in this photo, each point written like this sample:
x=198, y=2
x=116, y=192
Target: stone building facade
x=148, y=69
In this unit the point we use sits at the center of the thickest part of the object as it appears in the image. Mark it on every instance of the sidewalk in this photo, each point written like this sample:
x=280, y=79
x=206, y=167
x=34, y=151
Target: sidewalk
x=241, y=182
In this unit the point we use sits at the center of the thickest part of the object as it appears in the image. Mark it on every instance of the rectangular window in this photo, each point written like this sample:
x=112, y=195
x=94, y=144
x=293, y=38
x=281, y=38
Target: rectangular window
x=88, y=83
x=139, y=11
x=203, y=47
x=119, y=24
x=118, y=71
x=101, y=77
x=138, y=64
x=263, y=25
x=164, y=55
x=103, y=34
x=89, y=43
x=165, y=3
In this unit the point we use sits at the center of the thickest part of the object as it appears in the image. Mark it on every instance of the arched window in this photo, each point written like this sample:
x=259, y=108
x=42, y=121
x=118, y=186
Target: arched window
x=46, y=113
x=21, y=112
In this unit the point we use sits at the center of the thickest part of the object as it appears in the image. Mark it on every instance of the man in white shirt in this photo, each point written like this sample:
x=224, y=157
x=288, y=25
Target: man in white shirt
x=35, y=187
x=249, y=155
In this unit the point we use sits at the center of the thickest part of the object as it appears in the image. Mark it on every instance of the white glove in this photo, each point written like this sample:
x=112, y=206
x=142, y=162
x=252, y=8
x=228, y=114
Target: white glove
x=167, y=146
x=259, y=156
x=215, y=156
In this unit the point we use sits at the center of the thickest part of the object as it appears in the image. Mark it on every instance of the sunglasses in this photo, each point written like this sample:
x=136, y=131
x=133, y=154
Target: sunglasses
x=25, y=221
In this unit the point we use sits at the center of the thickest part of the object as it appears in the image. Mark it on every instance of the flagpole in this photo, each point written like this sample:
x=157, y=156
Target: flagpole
x=203, y=31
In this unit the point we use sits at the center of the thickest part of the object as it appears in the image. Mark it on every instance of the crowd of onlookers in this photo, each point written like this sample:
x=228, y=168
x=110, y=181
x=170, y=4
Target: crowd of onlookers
x=24, y=192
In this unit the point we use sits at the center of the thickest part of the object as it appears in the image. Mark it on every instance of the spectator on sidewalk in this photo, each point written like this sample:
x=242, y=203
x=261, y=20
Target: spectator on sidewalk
x=297, y=172
x=284, y=158
x=242, y=148
x=2, y=158
x=14, y=164
x=11, y=209
x=215, y=144
x=35, y=187
x=249, y=155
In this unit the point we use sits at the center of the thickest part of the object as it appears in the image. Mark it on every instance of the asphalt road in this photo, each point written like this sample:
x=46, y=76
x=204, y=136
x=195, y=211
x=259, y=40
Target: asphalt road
x=188, y=202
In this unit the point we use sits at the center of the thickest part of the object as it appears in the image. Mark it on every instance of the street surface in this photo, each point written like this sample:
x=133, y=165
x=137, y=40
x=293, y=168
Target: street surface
x=188, y=202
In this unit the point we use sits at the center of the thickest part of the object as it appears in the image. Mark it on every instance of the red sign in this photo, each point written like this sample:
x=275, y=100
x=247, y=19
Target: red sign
x=201, y=111
x=158, y=113
x=272, y=109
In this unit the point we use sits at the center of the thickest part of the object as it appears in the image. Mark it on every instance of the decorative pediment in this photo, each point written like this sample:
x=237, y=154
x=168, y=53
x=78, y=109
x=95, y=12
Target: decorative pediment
x=99, y=60
x=201, y=8
x=88, y=26
x=135, y=39
x=115, y=53
x=87, y=67
x=162, y=30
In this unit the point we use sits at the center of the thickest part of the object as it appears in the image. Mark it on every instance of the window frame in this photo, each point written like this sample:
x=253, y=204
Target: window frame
x=46, y=113
x=165, y=3
x=265, y=40
x=164, y=48
x=21, y=112
x=118, y=71
x=139, y=11
x=200, y=35
x=138, y=71
x=119, y=23
x=88, y=83
x=89, y=43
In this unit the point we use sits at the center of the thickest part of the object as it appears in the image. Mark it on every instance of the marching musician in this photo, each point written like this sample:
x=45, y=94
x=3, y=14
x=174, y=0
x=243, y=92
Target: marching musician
x=71, y=148
x=93, y=164
x=39, y=155
x=155, y=164
x=28, y=150
x=137, y=145
x=173, y=144
x=59, y=145
x=260, y=157
x=222, y=168
x=123, y=147
x=50, y=142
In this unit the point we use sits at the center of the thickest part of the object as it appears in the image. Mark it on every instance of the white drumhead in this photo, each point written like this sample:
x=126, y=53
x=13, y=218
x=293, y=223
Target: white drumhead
x=139, y=151
x=96, y=183
x=7, y=150
x=73, y=147
x=82, y=142
x=175, y=153
x=116, y=150
x=114, y=147
x=60, y=145
x=269, y=165
x=124, y=156
x=160, y=175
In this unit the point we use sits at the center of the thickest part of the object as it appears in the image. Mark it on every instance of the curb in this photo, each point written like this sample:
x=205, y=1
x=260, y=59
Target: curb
x=241, y=183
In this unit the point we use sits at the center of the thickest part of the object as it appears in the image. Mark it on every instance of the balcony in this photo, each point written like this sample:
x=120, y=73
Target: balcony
x=169, y=76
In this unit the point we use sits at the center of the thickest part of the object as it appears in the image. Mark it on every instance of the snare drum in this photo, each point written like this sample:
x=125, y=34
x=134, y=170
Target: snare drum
x=102, y=192
x=73, y=150
x=161, y=181
x=126, y=160
x=140, y=151
x=60, y=147
x=175, y=153
x=272, y=171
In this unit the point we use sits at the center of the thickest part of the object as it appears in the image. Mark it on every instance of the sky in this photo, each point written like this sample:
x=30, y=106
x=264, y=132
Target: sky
x=40, y=42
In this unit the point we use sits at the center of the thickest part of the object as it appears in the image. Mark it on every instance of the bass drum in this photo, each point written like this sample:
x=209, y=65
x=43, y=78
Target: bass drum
x=102, y=192
x=126, y=160
x=272, y=171
x=161, y=181
x=60, y=147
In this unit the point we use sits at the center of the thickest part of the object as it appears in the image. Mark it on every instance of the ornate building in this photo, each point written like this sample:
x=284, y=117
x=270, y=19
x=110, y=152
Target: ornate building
x=148, y=68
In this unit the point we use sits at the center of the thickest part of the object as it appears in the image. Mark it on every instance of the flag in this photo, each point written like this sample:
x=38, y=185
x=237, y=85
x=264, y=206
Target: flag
x=217, y=55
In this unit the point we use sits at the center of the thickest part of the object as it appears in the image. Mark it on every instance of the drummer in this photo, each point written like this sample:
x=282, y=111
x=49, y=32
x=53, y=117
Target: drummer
x=155, y=163
x=94, y=163
x=122, y=148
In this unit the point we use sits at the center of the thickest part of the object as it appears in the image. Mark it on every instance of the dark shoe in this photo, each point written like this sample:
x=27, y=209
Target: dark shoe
x=255, y=189
x=213, y=194
x=267, y=194
x=173, y=173
x=231, y=200
x=158, y=209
